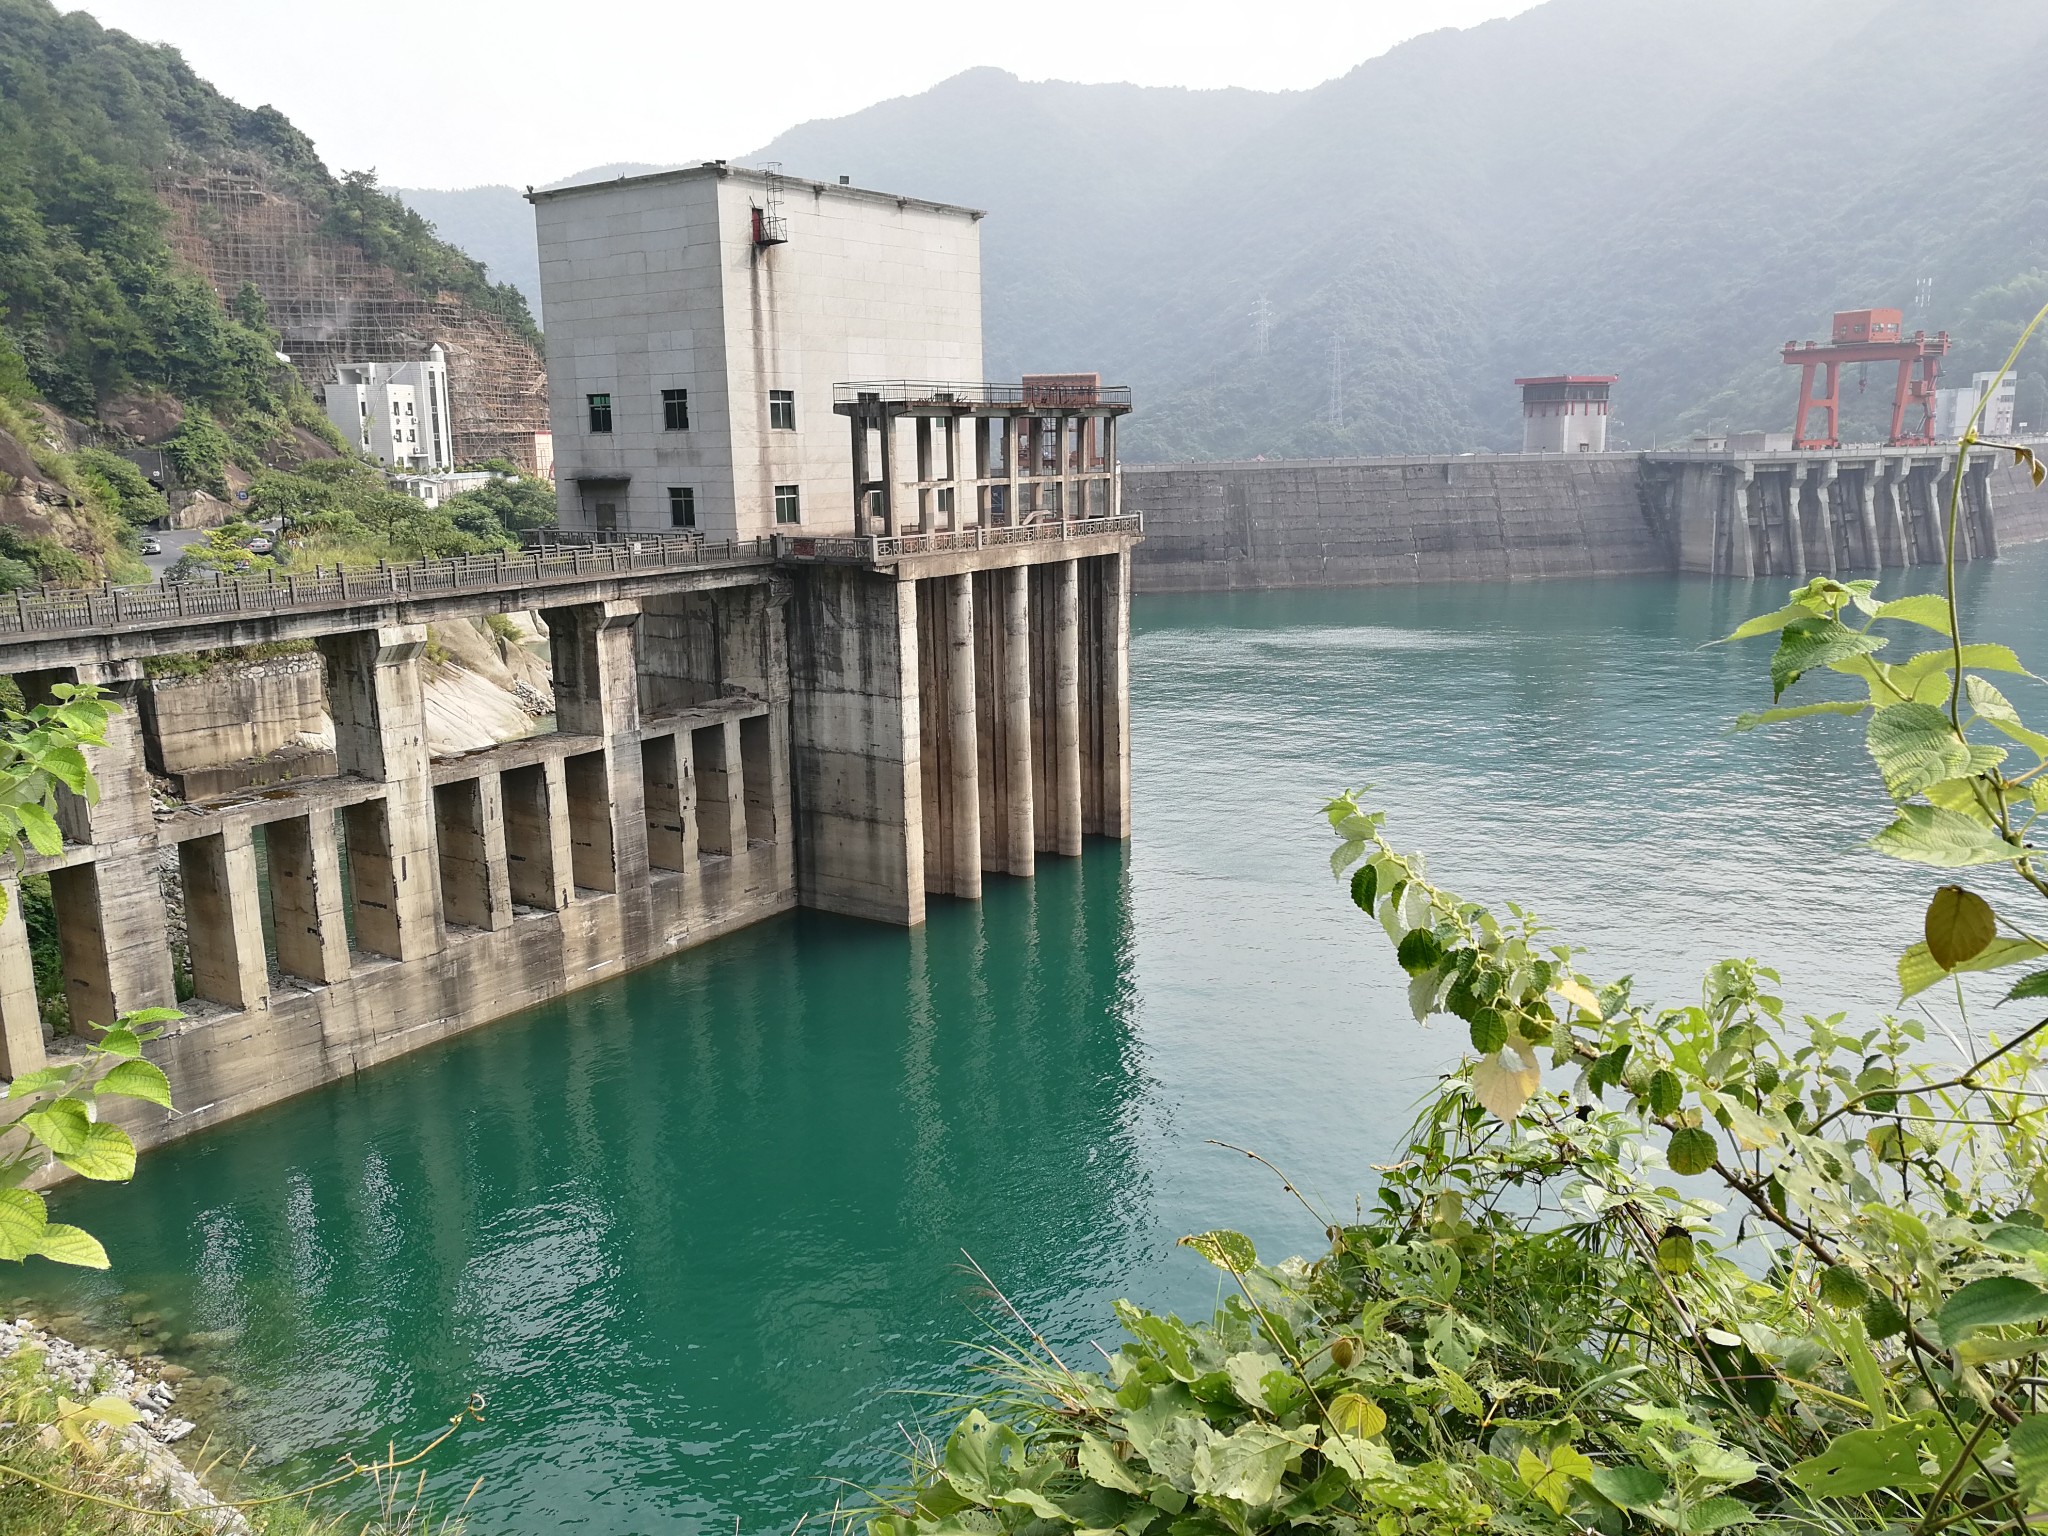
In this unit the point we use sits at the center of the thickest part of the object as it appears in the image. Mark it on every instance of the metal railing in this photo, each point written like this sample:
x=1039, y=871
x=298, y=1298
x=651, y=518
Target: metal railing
x=938, y=393
x=111, y=607
x=870, y=549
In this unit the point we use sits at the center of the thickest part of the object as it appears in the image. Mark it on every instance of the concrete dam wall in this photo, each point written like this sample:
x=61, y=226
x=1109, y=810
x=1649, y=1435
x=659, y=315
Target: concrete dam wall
x=1511, y=517
x=1367, y=522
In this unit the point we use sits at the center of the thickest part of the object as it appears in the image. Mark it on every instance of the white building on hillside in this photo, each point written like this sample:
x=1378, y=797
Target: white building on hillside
x=397, y=413
x=1952, y=407
x=698, y=321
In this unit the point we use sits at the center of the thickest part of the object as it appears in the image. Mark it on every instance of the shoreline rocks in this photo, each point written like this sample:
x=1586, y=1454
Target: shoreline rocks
x=82, y=1372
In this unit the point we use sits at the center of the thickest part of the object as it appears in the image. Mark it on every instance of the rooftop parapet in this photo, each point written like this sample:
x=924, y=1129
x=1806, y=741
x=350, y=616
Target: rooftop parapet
x=1070, y=393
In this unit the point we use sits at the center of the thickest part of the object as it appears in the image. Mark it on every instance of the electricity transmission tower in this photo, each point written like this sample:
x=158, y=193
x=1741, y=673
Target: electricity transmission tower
x=1262, y=324
x=1336, y=381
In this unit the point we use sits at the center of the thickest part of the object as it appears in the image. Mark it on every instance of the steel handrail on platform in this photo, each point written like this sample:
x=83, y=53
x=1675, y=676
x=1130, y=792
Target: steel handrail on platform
x=872, y=549
x=113, y=607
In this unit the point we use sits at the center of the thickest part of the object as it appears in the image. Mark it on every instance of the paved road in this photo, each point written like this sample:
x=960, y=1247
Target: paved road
x=174, y=541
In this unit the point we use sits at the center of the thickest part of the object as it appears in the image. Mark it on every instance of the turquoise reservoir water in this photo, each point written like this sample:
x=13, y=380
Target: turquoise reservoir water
x=695, y=1233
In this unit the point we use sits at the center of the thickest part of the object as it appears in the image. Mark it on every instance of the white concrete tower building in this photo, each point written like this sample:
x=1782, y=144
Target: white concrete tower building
x=698, y=321
x=397, y=413
x=1565, y=413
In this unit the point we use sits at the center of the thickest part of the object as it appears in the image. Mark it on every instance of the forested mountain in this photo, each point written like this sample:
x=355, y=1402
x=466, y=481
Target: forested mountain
x=121, y=171
x=1663, y=189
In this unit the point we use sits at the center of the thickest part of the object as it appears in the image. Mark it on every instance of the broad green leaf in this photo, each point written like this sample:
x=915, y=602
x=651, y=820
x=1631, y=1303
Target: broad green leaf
x=2027, y=1444
x=70, y=1245
x=1751, y=1129
x=1246, y=1465
x=138, y=1079
x=1551, y=1484
x=1628, y=1486
x=1225, y=1249
x=1918, y=970
x=1750, y=721
x=1717, y=1514
x=1814, y=642
x=2014, y=1239
x=1099, y=1464
x=1366, y=1461
x=1865, y=1460
x=1418, y=951
x=978, y=1454
x=1914, y=670
x=62, y=1125
x=1958, y=924
x=1922, y=608
x=1354, y=1414
x=143, y=1017
x=1248, y=1370
x=2034, y=984
x=1915, y=746
x=1030, y=1499
x=23, y=1218
x=37, y=1081
x=1578, y=994
x=119, y=1040
x=1990, y=1303
x=1365, y=884
x=1504, y=1084
x=113, y=1410
x=40, y=828
x=106, y=1154
x=1665, y=1092
x=1927, y=834
x=1464, y=1396
x=1766, y=623
x=1692, y=1150
x=66, y=765
x=1995, y=711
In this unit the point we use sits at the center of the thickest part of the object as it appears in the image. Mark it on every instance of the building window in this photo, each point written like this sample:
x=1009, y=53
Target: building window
x=600, y=413
x=945, y=501
x=682, y=506
x=786, y=509
x=782, y=412
x=675, y=410
x=607, y=515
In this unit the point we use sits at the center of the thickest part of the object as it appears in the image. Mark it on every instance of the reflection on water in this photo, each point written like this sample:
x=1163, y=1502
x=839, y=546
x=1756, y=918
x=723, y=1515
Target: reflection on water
x=688, y=1231
x=692, y=1230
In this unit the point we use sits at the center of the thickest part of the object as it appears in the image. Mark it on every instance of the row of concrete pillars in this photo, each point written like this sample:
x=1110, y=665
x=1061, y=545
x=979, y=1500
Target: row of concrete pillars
x=1022, y=720
x=1830, y=518
x=378, y=865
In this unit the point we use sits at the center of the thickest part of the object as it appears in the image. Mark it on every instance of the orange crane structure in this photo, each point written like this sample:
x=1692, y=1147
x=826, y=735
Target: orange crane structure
x=1867, y=336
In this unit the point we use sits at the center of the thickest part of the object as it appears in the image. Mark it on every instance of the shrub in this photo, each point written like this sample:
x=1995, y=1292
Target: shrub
x=199, y=450
x=1548, y=1320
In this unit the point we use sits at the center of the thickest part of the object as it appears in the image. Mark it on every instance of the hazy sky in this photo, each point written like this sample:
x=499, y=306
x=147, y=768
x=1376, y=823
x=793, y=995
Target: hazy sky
x=446, y=93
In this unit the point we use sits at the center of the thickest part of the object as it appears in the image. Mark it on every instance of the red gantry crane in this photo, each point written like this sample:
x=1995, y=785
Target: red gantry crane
x=1867, y=336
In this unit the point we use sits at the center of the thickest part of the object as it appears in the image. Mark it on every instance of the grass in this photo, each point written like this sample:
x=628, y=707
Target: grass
x=91, y=1489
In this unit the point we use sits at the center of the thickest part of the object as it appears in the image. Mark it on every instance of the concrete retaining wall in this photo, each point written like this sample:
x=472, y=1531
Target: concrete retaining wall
x=2019, y=506
x=196, y=727
x=1469, y=517
x=1362, y=522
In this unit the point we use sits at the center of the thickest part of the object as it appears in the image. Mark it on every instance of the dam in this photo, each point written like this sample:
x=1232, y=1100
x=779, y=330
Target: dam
x=741, y=729
x=1532, y=516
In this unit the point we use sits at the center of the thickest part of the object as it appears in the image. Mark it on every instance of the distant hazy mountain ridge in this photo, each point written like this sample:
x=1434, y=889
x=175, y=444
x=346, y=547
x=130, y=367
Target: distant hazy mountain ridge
x=1663, y=189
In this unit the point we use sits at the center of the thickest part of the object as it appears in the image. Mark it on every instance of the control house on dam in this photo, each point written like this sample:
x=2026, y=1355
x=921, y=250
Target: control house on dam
x=831, y=620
